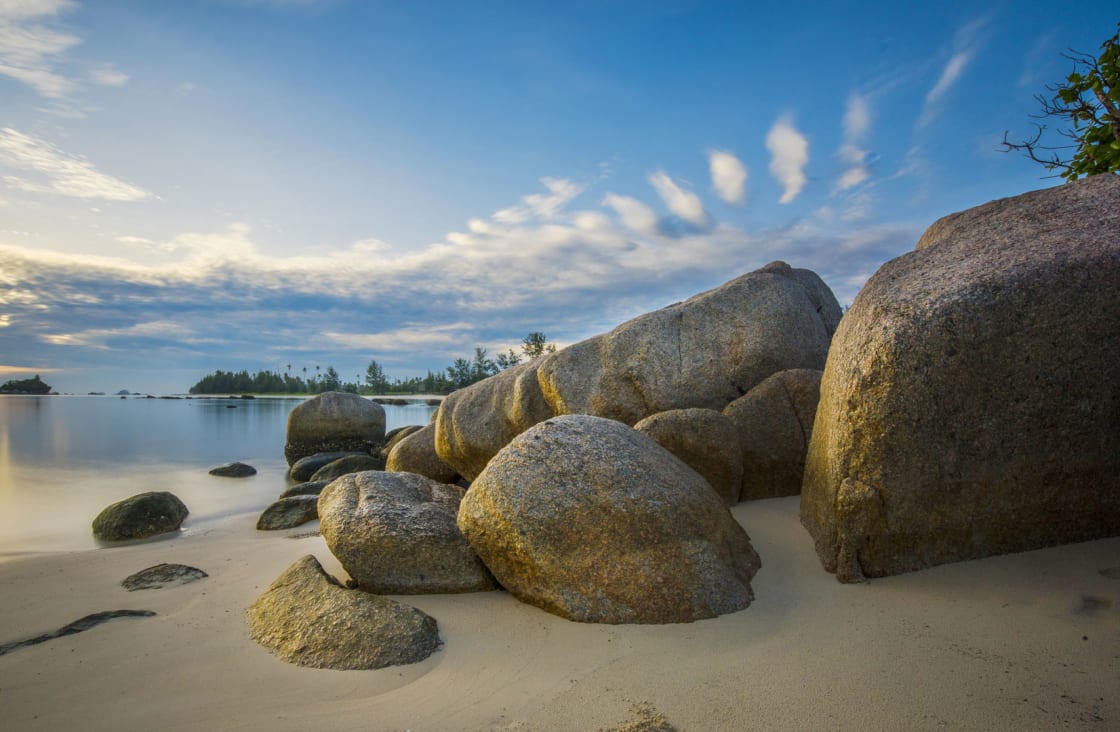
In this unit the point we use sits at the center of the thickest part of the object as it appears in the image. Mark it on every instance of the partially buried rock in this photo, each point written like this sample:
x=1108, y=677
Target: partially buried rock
x=234, y=470
x=593, y=521
x=162, y=575
x=305, y=467
x=307, y=618
x=139, y=517
x=288, y=513
x=334, y=421
x=308, y=488
x=347, y=465
x=706, y=441
x=395, y=533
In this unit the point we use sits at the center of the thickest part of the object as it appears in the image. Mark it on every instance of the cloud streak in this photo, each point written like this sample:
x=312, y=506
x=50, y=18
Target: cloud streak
x=29, y=49
x=966, y=44
x=59, y=172
x=685, y=204
x=789, y=154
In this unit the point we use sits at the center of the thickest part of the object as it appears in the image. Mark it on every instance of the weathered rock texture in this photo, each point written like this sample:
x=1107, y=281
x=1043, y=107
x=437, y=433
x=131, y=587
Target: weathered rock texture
x=162, y=575
x=395, y=534
x=703, y=352
x=289, y=512
x=416, y=453
x=346, y=465
x=333, y=422
x=305, y=467
x=140, y=516
x=474, y=423
x=392, y=437
x=706, y=441
x=774, y=422
x=594, y=521
x=307, y=618
x=971, y=401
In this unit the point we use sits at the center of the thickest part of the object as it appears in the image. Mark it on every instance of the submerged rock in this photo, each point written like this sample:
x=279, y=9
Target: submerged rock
x=139, y=517
x=307, y=618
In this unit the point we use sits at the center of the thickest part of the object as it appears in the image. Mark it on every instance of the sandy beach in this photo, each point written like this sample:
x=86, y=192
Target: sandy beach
x=1025, y=641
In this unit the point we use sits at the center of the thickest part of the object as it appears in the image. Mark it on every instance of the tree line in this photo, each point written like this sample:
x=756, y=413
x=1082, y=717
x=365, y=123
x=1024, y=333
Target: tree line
x=462, y=372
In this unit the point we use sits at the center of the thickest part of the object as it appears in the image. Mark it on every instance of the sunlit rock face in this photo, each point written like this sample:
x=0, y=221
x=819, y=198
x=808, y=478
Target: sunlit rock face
x=971, y=401
x=334, y=422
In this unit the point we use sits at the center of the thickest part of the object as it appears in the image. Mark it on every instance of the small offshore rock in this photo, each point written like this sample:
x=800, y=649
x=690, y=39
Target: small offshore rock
x=304, y=468
x=139, y=517
x=288, y=513
x=347, y=465
x=234, y=470
x=307, y=488
x=307, y=618
x=162, y=575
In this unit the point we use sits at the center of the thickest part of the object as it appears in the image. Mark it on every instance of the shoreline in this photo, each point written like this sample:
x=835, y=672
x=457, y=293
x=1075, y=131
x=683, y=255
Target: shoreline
x=1023, y=641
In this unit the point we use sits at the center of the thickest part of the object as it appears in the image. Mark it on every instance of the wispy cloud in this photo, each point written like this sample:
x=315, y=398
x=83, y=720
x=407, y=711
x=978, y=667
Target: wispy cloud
x=58, y=171
x=29, y=47
x=729, y=176
x=789, y=154
x=99, y=338
x=635, y=215
x=857, y=121
x=684, y=204
x=108, y=76
x=966, y=44
x=541, y=205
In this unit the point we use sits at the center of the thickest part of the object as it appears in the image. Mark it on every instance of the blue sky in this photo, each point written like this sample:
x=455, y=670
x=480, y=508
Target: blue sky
x=187, y=186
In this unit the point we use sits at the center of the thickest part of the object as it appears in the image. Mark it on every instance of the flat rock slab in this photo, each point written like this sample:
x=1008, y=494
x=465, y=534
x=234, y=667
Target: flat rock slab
x=162, y=575
x=307, y=618
x=233, y=470
x=79, y=625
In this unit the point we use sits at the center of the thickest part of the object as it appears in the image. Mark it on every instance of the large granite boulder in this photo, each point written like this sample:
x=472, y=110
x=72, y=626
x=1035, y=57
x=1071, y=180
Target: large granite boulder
x=416, y=453
x=474, y=423
x=334, y=421
x=395, y=534
x=140, y=516
x=305, y=467
x=971, y=401
x=346, y=465
x=703, y=352
x=774, y=421
x=307, y=618
x=706, y=441
x=593, y=521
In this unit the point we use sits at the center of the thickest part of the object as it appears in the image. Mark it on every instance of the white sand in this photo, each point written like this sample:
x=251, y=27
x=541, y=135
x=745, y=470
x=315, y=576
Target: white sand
x=991, y=644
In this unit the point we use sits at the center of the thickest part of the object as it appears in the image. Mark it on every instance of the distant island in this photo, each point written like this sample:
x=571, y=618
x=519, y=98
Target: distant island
x=26, y=386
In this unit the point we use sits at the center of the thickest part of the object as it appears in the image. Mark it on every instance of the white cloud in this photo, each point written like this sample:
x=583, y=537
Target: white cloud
x=63, y=174
x=857, y=121
x=789, y=151
x=729, y=176
x=108, y=76
x=28, y=48
x=98, y=338
x=966, y=43
x=541, y=205
x=635, y=215
x=683, y=203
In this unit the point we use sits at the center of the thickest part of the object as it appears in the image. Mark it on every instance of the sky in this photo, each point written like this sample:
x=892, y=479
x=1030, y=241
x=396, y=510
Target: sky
x=290, y=184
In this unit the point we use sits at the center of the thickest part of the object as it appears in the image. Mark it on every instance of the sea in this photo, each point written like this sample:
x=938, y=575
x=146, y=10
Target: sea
x=64, y=458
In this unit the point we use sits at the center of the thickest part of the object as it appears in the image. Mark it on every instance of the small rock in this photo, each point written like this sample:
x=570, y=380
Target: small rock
x=234, y=470
x=139, y=517
x=162, y=575
x=289, y=512
x=308, y=488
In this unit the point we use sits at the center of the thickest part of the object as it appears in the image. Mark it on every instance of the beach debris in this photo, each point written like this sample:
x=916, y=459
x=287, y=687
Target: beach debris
x=706, y=441
x=307, y=488
x=334, y=421
x=305, y=467
x=78, y=626
x=347, y=465
x=395, y=533
x=234, y=470
x=593, y=521
x=307, y=618
x=775, y=421
x=971, y=389
x=289, y=512
x=140, y=516
x=416, y=453
x=162, y=575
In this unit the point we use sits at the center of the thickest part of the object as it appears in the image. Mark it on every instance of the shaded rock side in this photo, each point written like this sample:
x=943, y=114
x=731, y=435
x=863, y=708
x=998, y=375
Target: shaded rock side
x=392, y=437
x=971, y=399
x=140, y=516
x=233, y=470
x=305, y=467
x=334, y=422
x=594, y=521
x=703, y=352
x=395, y=534
x=347, y=465
x=774, y=422
x=307, y=618
x=474, y=423
x=307, y=488
x=416, y=453
x=287, y=513
x=706, y=441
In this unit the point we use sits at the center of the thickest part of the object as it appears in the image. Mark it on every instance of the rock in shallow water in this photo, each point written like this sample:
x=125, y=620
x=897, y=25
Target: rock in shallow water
x=139, y=517
x=334, y=421
x=307, y=618
x=234, y=470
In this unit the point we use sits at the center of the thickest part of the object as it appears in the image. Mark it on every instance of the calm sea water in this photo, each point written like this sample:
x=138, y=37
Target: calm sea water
x=64, y=458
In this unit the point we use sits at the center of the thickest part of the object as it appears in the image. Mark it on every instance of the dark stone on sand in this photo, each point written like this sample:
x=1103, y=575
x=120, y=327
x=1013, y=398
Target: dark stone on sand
x=289, y=512
x=162, y=575
x=307, y=488
x=347, y=465
x=79, y=625
x=141, y=516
